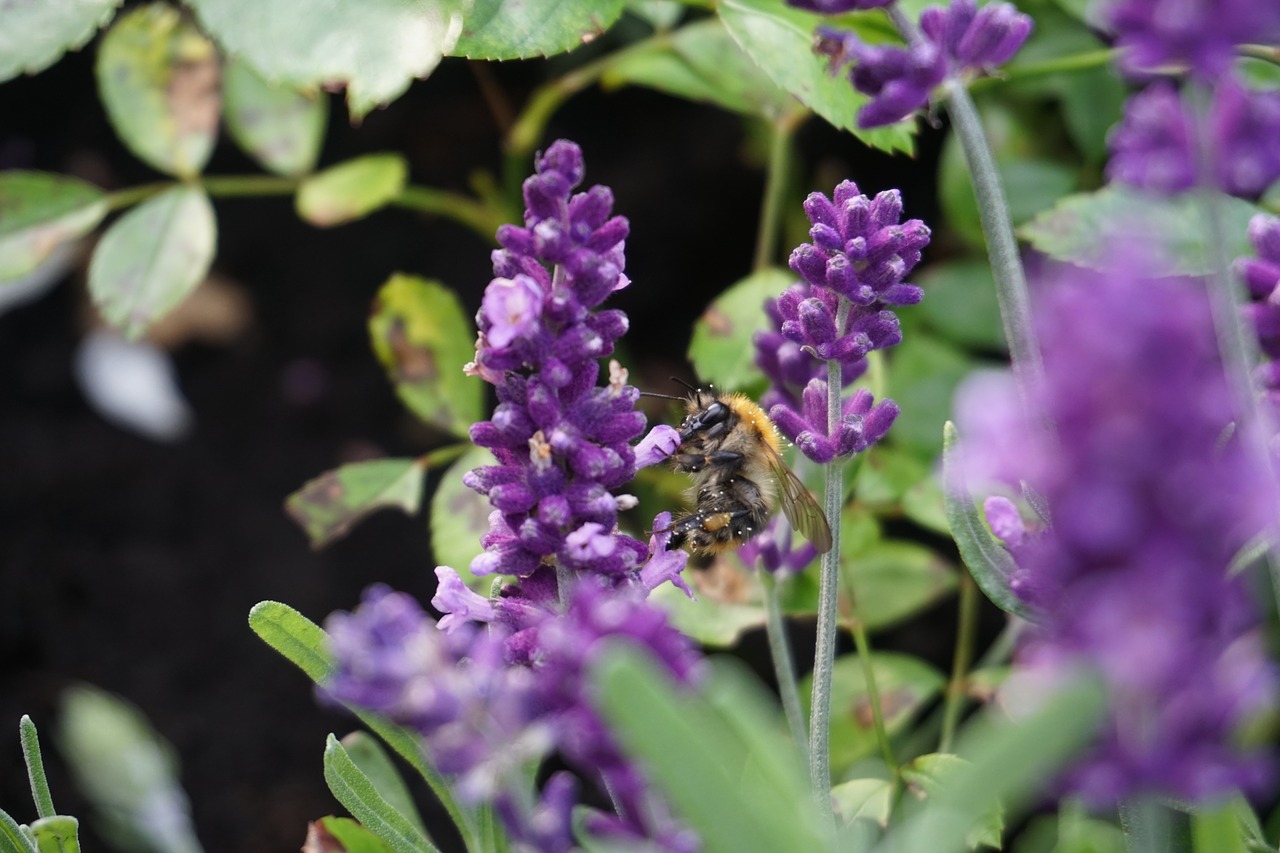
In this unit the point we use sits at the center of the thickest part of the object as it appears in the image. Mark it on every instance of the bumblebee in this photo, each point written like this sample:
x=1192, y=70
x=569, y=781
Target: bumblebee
x=732, y=450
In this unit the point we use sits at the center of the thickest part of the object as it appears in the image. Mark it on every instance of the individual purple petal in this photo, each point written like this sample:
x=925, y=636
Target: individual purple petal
x=657, y=446
x=1153, y=146
x=458, y=602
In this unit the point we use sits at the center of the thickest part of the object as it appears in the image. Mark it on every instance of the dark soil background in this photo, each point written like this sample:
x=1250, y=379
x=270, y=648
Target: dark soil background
x=132, y=565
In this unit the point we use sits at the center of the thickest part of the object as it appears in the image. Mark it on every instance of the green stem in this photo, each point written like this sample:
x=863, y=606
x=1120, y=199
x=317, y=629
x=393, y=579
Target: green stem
x=480, y=218
x=442, y=456
x=218, y=186
x=1266, y=52
x=863, y=645
x=781, y=152
x=1146, y=826
x=828, y=593
x=1086, y=61
x=966, y=636
x=35, y=768
x=780, y=651
x=1002, y=246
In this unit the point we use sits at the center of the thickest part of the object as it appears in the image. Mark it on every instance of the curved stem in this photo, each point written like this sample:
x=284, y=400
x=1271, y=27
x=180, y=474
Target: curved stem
x=828, y=593
x=966, y=634
x=480, y=218
x=775, y=189
x=863, y=645
x=780, y=651
x=1085, y=61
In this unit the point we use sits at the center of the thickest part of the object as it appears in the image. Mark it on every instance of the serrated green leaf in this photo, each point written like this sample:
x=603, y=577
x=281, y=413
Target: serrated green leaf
x=780, y=40
x=960, y=303
x=894, y=580
x=375, y=47
x=927, y=775
x=988, y=562
x=126, y=770
x=158, y=78
x=720, y=757
x=721, y=348
x=1083, y=229
x=367, y=754
x=39, y=211
x=459, y=517
x=343, y=831
x=864, y=799
x=905, y=684
x=424, y=340
x=331, y=504
x=702, y=62
x=36, y=35
x=524, y=29
x=279, y=125
x=151, y=258
x=351, y=190
x=12, y=839
x=57, y=834
x=922, y=378
x=358, y=795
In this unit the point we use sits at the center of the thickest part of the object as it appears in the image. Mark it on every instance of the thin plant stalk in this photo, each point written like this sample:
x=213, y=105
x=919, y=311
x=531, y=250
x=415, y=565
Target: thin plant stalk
x=784, y=669
x=781, y=150
x=1146, y=825
x=966, y=636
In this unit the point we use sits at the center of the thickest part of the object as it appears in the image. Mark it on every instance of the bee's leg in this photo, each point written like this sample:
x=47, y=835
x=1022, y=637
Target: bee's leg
x=698, y=461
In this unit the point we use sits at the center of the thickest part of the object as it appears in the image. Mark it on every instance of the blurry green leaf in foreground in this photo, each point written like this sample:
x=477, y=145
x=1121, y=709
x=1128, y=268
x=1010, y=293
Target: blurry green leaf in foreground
x=351, y=190
x=279, y=125
x=35, y=35
x=894, y=580
x=720, y=755
x=151, y=258
x=367, y=753
x=864, y=799
x=721, y=349
x=525, y=29
x=127, y=771
x=425, y=340
x=358, y=794
x=159, y=80
x=926, y=775
x=701, y=62
x=331, y=504
x=459, y=517
x=342, y=835
x=905, y=684
x=375, y=47
x=960, y=303
x=1088, y=228
x=40, y=211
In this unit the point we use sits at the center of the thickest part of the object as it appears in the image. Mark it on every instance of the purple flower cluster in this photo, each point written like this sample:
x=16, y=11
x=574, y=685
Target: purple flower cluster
x=499, y=684
x=860, y=253
x=957, y=40
x=1262, y=277
x=1149, y=506
x=1199, y=34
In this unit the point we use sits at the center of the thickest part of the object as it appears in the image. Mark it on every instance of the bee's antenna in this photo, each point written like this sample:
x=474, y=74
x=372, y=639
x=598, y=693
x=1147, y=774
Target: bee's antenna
x=680, y=381
x=660, y=396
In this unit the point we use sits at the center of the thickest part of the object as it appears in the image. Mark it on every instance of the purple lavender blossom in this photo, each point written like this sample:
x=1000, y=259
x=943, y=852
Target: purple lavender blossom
x=861, y=252
x=957, y=40
x=1156, y=147
x=837, y=7
x=1261, y=275
x=1149, y=508
x=1201, y=34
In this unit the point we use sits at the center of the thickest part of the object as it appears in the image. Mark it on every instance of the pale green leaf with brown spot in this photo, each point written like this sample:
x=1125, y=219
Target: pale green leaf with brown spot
x=352, y=189
x=151, y=258
x=279, y=125
x=331, y=504
x=159, y=81
x=425, y=340
x=524, y=29
x=36, y=33
x=38, y=212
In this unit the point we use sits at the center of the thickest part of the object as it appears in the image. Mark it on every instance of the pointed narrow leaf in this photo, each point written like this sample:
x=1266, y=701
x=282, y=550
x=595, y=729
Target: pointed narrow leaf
x=152, y=257
x=375, y=47
x=424, y=340
x=373, y=761
x=12, y=840
x=342, y=835
x=158, y=77
x=459, y=517
x=40, y=211
x=723, y=767
x=354, y=790
x=988, y=562
x=780, y=40
x=35, y=35
x=524, y=29
x=351, y=190
x=331, y=504
x=721, y=349
x=35, y=767
x=701, y=62
x=279, y=125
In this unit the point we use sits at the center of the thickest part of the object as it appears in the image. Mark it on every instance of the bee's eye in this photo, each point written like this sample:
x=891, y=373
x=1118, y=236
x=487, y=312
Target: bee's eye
x=714, y=414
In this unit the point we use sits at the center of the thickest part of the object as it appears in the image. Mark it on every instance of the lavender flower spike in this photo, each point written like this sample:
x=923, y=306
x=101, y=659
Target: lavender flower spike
x=1201, y=34
x=837, y=7
x=1149, y=507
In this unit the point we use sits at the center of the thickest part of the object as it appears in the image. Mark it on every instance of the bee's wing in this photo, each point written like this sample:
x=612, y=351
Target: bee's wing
x=799, y=505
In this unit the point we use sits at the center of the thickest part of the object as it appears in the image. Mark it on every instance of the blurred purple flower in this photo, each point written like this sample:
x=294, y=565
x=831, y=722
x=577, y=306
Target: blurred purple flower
x=1149, y=508
x=1155, y=145
x=776, y=550
x=837, y=7
x=1261, y=275
x=1201, y=34
x=960, y=39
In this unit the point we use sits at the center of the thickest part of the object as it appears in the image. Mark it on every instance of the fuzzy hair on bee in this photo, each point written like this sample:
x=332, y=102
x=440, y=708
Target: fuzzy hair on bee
x=733, y=452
